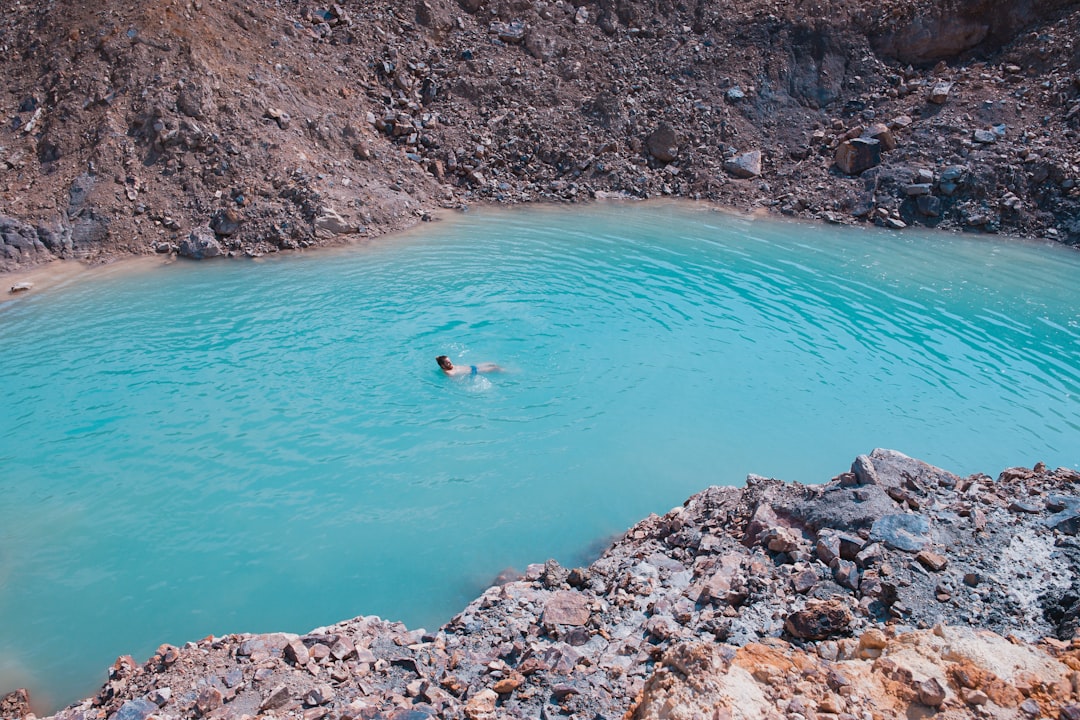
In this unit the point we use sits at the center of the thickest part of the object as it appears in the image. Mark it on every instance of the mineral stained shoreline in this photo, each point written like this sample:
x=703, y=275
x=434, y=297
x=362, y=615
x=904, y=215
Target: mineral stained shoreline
x=895, y=590
x=206, y=128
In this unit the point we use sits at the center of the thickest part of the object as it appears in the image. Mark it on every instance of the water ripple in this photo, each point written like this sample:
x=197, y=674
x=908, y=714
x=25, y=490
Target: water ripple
x=211, y=448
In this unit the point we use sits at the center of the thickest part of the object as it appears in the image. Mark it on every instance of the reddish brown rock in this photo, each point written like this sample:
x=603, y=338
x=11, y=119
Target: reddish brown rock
x=566, y=607
x=819, y=621
x=857, y=155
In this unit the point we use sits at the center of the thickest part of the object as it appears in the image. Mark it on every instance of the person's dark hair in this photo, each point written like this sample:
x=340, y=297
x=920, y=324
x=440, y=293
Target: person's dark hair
x=444, y=362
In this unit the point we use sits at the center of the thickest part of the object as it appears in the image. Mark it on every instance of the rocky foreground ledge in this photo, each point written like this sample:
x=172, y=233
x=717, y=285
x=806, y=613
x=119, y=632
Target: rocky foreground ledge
x=894, y=590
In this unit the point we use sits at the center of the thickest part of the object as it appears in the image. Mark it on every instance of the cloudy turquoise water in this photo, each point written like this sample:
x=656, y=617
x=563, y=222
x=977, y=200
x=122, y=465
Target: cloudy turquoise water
x=205, y=448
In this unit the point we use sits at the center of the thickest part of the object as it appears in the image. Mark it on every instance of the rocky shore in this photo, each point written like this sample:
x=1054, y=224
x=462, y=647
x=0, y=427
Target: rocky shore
x=896, y=589
x=204, y=128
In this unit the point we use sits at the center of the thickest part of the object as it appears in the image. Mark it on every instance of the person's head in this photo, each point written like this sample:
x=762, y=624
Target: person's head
x=444, y=362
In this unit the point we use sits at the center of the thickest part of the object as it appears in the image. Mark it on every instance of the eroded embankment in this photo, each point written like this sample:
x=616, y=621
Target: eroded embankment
x=203, y=128
x=896, y=589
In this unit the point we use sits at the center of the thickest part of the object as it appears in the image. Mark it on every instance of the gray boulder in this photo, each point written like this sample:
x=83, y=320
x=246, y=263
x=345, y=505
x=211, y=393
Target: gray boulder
x=200, y=244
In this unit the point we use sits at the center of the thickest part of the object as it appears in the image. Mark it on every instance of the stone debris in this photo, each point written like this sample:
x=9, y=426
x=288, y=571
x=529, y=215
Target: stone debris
x=128, y=126
x=769, y=600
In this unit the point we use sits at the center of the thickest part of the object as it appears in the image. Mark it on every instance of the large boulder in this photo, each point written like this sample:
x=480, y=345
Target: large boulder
x=200, y=244
x=857, y=155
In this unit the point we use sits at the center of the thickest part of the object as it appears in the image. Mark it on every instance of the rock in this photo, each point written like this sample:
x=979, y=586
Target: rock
x=566, y=607
x=512, y=32
x=745, y=166
x=15, y=704
x=1030, y=707
x=508, y=684
x=845, y=573
x=160, y=696
x=932, y=561
x=984, y=137
x=930, y=692
x=276, y=698
x=21, y=287
x=857, y=155
x=780, y=539
x=939, y=93
x=917, y=189
x=864, y=471
x=137, y=709
x=871, y=643
x=819, y=621
x=804, y=581
x=881, y=133
x=330, y=223
x=928, y=206
x=482, y=705
x=207, y=701
x=735, y=94
x=319, y=695
x=281, y=117
x=908, y=532
x=663, y=144
x=1066, y=520
x=226, y=222
x=199, y=244
x=296, y=653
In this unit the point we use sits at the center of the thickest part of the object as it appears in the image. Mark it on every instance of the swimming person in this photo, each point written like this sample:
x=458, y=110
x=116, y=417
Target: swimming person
x=449, y=368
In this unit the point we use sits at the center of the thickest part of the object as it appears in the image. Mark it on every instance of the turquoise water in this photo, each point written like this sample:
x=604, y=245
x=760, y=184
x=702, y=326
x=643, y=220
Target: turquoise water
x=207, y=448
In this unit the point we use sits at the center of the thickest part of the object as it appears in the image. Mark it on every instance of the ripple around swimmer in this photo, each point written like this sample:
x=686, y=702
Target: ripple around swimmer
x=256, y=446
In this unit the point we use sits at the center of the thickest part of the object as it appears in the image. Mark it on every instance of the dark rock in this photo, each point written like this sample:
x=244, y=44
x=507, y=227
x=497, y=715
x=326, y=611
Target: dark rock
x=819, y=621
x=928, y=205
x=857, y=155
x=881, y=133
x=1068, y=519
x=804, y=581
x=845, y=573
x=19, y=244
x=226, y=222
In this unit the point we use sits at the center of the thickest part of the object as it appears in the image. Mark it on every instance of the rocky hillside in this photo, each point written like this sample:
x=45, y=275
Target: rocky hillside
x=208, y=127
x=895, y=590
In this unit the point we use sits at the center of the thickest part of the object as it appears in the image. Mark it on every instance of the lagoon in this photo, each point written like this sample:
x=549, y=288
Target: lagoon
x=251, y=446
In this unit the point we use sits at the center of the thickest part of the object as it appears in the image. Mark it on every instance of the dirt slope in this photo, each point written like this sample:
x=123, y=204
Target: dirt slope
x=211, y=127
